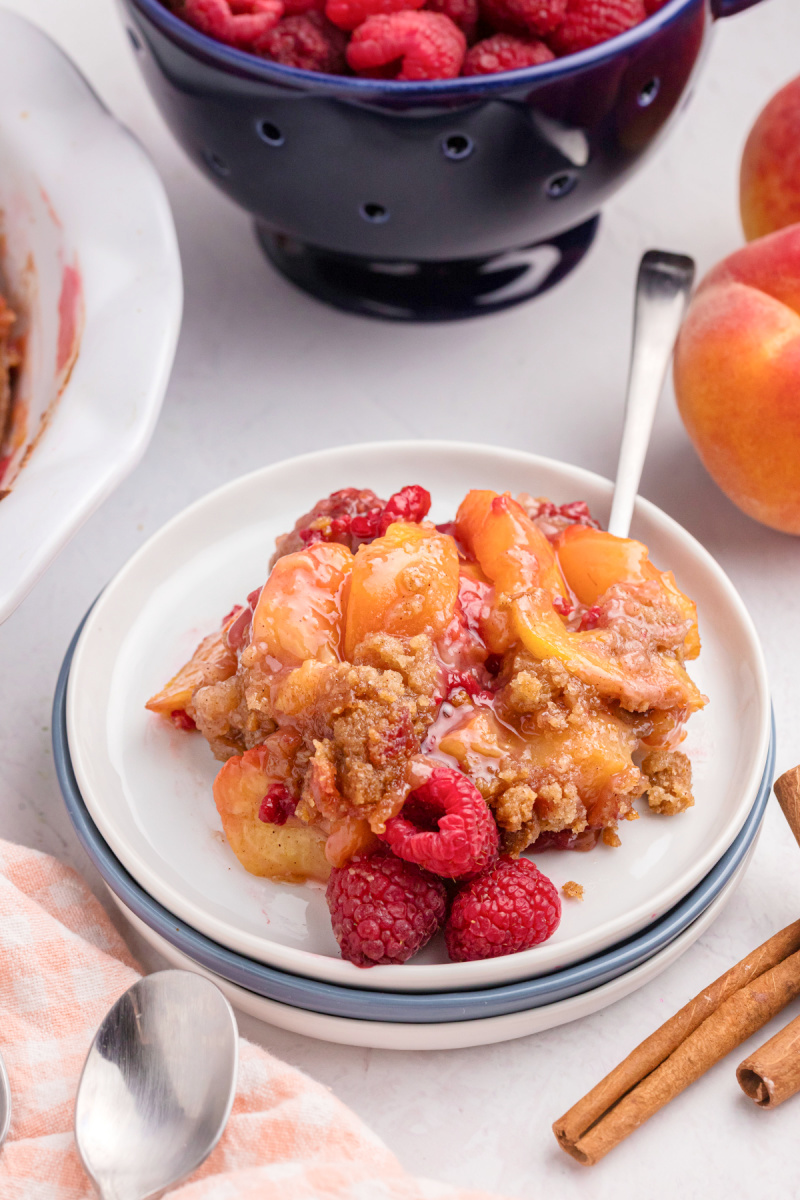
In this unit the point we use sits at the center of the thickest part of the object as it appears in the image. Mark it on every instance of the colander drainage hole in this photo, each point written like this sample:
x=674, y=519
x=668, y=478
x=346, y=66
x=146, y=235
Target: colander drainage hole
x=649, y=92
x=375, y=213
x=270, y=133
x=561, y=184
x=217, y=164
x=457, y=146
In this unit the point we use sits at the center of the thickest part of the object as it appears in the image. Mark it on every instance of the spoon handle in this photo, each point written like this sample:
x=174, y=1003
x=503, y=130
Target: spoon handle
x=662, y=292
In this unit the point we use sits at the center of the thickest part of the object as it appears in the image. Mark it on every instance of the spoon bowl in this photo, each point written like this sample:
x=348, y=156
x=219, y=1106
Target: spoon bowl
x=5, y=1102
x=157, y=1086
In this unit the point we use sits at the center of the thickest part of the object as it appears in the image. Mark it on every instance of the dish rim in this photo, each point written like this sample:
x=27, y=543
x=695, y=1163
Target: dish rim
x=54, y=520
x=303, y=962
x=456, y=1035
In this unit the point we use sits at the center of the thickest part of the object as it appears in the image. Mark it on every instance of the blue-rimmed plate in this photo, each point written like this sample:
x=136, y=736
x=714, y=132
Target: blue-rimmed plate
x=366, y=1004
x=148, y=786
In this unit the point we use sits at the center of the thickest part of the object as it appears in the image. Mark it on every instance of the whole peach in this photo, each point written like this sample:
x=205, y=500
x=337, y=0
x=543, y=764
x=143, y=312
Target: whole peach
x=737, y=377
x=769, y=181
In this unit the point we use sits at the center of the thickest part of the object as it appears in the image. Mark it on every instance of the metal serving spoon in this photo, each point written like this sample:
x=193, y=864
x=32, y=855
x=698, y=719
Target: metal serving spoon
x=157, y=1086
x=662, y=293
x=5, y=1102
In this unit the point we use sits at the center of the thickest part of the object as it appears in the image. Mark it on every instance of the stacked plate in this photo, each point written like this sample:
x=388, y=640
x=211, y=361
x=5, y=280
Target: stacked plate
x=139, y=792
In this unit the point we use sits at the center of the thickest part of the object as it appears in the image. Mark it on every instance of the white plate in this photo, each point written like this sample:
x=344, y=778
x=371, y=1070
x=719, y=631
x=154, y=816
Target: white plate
x=148, y=786
x=448, y=1035
x=80, y=204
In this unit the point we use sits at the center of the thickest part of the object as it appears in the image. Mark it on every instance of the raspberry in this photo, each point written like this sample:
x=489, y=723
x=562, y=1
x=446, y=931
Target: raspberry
x=383, y=910
x=308, y=41
x=445, y=826
x=181, y=720
x=578, y=513
x=538, y=17
x=407, y=45
x=653, y=6
x=277, y=806
x=563, y=607
x=589, y=22
x=591, y=618
x=237, y=22
x=296, y=8
x=329, y=521
x=348, y=14
x=409, y=504
x=504, y=52
x=463, y=13
x=506, y=909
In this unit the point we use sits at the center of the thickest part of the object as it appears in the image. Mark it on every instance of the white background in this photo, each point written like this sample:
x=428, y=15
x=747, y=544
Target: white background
x=263, y=372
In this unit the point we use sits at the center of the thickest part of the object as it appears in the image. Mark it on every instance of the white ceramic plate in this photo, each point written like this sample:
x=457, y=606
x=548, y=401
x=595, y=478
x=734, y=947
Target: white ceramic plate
x=449, y=1035
x=92, y=265
x=148, y=786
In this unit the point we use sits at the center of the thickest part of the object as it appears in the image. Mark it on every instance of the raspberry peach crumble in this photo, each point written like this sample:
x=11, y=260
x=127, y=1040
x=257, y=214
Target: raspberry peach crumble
x=404, y=708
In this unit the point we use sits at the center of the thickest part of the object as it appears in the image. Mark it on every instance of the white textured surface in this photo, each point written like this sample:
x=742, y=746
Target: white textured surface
x=263, y=372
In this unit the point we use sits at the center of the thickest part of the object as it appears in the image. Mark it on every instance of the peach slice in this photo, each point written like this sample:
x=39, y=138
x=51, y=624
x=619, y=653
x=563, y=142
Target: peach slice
x=299, y=612
x=511, y=549
x=403, y=583
x=212, y=661
x=290, y=853
x=593, y=561
x=656, y=682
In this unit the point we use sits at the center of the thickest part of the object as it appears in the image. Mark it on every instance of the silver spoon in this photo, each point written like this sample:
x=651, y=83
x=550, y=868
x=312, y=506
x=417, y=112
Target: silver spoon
x=662, y=293
x=5, y=1101
x=157, y=1086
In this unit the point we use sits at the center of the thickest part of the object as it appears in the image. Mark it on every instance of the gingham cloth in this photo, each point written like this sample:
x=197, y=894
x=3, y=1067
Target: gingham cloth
x=62, y=966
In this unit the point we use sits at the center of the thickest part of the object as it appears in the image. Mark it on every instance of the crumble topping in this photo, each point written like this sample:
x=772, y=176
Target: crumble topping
x=669, y=787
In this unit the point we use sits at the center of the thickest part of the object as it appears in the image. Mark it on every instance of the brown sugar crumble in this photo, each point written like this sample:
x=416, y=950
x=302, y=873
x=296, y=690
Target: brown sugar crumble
x=573, y=890
x=669, y=776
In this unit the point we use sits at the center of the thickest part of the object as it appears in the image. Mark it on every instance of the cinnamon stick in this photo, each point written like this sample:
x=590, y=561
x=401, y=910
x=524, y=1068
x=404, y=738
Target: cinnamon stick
x=721, y=1017
x=772, y=1074
x=787, y=789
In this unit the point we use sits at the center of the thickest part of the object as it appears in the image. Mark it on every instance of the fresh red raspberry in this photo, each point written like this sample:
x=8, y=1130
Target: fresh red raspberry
x=383, y=910
x=463, y=13
x=296, y=8
x=508, y=908
x=445, y=826
x=505, y=52
x=237, y=22
x=308, y=41
x=537, y=17
x=277, y=806
x=407, y=45
x=589, y=22
x=349, y=14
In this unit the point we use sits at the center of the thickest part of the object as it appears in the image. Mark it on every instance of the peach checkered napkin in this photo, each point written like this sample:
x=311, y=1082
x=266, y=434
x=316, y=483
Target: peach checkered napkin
x=62, y=966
